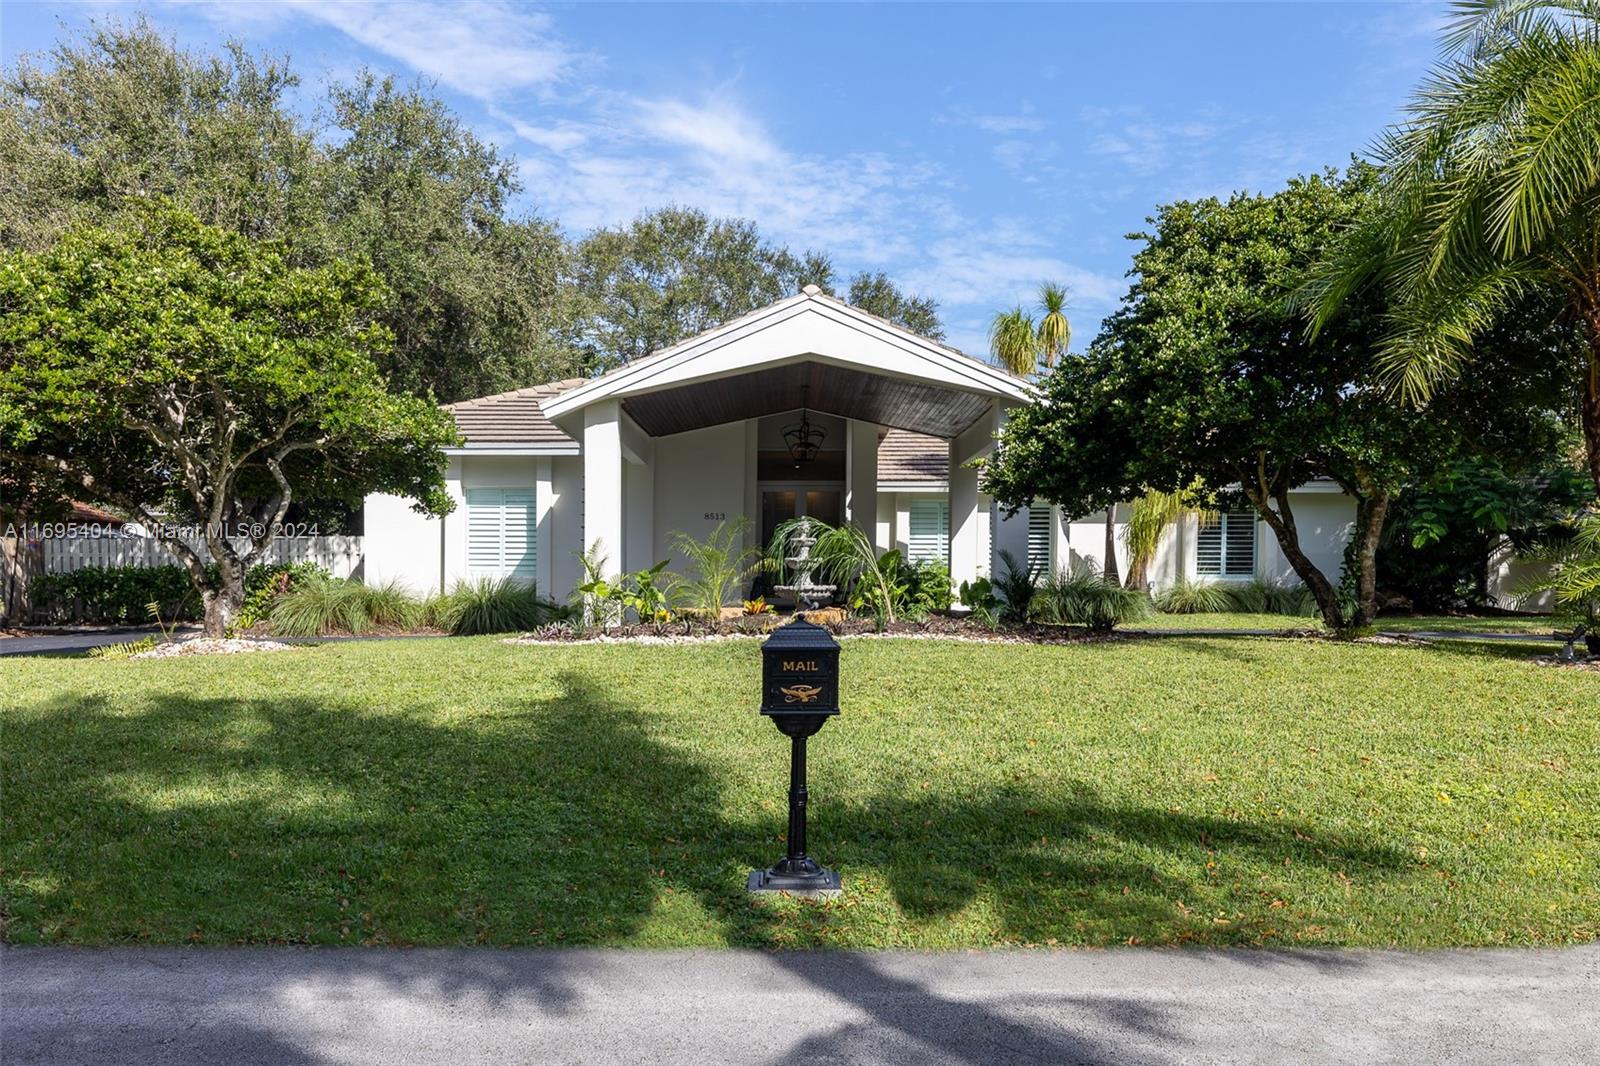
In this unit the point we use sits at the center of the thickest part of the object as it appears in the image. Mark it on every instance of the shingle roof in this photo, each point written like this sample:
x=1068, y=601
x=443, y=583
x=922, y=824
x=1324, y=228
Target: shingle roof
x=511, y=417
x=904, y=456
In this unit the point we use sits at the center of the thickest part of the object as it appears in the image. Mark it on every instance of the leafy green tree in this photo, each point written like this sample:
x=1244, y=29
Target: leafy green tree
x=1442, y=531
x=481, y=303
x=121, y=116
x=1205, y=374
x=180, y=373
x=383, y=174
x=676, y=272
x=671, y=274
x=877, y=295
x=1491, y=190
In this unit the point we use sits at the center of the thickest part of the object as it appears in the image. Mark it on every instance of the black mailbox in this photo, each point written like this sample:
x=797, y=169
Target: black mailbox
x=800, y=673
x=799, y=692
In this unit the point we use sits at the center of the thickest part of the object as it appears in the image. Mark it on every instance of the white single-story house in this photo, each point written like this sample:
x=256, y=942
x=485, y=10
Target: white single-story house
x=806, y=407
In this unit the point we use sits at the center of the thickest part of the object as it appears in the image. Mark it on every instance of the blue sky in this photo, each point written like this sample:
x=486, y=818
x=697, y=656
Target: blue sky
x=969, y=151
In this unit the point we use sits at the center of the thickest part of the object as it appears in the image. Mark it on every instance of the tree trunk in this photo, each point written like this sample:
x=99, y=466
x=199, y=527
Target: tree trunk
x=1591, y=407
x=1370, y=512
x=1589, y=403
x=1281, y=522
x=1111, y=546
x=1138, y=573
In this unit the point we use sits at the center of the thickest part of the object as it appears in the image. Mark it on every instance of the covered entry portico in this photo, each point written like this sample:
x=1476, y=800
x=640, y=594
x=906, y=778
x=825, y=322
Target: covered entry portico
x=692, y=436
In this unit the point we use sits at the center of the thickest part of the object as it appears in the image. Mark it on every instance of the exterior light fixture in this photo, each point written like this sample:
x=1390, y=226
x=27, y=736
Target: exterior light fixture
x=804, y=440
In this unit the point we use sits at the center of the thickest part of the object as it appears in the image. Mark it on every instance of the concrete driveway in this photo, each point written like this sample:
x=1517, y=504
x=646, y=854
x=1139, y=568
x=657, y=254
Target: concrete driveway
x=309, y=1006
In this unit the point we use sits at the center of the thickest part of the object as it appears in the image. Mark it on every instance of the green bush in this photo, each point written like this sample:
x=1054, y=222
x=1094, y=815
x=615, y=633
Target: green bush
x=118, y=595
x=1272, y=597
x=1082, y=596
x=264, y=584
x=927, y=589
x=324, y=606
x=490, y=605
x=1016, y=587
x=1195, y=597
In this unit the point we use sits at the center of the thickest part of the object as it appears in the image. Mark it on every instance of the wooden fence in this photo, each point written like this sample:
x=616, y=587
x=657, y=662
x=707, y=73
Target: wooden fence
x=341, y=556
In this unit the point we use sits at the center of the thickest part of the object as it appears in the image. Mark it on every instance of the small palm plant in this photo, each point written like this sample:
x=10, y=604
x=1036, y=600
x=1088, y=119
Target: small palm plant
x=718, y=568
x=1574, y=577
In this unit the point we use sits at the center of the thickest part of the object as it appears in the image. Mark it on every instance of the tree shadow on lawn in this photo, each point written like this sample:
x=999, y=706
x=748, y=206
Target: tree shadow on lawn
x=574, y=821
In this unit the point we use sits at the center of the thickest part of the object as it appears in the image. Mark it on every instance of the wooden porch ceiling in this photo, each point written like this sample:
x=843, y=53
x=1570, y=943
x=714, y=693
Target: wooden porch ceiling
x=833, y=390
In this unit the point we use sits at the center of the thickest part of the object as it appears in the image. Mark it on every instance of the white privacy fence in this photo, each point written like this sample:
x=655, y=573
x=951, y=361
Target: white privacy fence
x=341, y=556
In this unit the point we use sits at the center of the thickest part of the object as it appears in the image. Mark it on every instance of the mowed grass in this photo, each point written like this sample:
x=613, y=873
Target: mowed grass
x=461, y=791
x=1538, y=626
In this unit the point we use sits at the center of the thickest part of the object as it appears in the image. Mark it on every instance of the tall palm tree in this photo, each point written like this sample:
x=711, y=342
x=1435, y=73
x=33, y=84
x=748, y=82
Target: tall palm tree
x=1491, y=191
x=1020, y=345
x=1014, y=341
x=1055, y=332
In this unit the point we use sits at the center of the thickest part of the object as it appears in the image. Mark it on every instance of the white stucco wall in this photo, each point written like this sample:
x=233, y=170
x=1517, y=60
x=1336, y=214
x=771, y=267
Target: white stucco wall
x=698, y=473
x=399, y=544
x=1324, y=522
x=566, y=525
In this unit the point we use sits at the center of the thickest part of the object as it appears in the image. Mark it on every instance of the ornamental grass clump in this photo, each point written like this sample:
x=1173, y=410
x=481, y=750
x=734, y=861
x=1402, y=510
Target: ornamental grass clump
x=493, y=605
x=1195, y=597
x=1272, y=597
x=1083, y=596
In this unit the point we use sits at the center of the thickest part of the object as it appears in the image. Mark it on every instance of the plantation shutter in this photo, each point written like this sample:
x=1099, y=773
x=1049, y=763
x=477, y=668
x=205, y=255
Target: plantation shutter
x=1239, y=544
x=502, y=533
x=929, y=539
x=1039, y=538
x=1226, y=545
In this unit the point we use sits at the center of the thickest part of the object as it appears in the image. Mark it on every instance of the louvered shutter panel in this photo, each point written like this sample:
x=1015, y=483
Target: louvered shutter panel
x=929, y=540
x=1039, y=538
x=502, y=534
x=1208, y=547
x=483, y=532
x=518, y=535
x=1239, y=536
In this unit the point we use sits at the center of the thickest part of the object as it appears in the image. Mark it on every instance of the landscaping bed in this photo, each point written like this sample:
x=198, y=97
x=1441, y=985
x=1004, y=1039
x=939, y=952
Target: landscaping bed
x=1186, y=790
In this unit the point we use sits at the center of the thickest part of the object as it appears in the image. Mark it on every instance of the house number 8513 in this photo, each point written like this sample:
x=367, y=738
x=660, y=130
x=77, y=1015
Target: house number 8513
x=716, y=516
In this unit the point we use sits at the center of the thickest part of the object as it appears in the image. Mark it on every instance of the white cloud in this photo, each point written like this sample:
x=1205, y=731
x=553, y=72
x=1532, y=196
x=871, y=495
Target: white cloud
x=716, y=128
x=1009, y=123
x=484, y=48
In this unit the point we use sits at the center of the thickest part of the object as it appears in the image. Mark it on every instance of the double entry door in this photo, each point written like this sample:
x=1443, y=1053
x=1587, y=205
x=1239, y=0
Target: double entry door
x=780, y=502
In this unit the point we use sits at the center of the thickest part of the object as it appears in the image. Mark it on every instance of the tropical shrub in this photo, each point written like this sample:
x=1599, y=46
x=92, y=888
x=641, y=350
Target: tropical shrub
x=1083, y=596
x=718, y=569
x=264, y=584
x=978, y=595
x=1272, y=597
x=1194, y=597
x=493, y=605
x=927, y=588
x=1016, y=587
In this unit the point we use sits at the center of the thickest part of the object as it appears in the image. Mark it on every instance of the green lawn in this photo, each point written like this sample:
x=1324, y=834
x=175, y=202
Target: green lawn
x=467, y=791
x=1535, y=625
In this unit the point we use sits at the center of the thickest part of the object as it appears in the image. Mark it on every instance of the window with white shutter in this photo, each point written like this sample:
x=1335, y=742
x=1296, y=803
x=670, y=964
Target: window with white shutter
x=1039, y=538
x=929, y=539
x=1226, y=545
x=502, y=533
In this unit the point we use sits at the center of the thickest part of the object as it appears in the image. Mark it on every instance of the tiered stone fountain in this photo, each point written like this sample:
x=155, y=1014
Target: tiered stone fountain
x=807, y=595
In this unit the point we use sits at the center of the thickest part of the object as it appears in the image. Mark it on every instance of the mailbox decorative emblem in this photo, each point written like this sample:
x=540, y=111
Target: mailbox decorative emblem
x=799, y=692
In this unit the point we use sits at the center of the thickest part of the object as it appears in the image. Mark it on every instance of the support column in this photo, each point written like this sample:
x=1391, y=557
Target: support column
x=544, y=501
x=964, y=539
x=861, y=477
x=602, y=482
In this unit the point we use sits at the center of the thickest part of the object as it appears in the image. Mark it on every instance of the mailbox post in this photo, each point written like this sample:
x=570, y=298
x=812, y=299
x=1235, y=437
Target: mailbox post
x=799, y=692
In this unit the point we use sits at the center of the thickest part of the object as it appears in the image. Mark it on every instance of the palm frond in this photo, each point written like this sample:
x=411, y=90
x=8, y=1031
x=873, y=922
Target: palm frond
x=1014, y=341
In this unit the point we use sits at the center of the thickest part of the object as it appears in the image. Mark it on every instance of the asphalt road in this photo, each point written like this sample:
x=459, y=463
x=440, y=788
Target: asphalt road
x=308, y=1006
